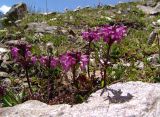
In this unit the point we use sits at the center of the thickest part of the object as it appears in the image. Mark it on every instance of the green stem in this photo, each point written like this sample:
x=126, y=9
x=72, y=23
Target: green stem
x=106, y=65
x=50, y=82
x=88, y=69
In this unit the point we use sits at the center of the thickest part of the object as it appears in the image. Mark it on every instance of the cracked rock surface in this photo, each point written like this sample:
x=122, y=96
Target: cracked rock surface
x=131, y=99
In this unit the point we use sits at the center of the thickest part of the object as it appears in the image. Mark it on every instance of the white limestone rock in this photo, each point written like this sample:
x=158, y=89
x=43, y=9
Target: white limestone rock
x=136, y=99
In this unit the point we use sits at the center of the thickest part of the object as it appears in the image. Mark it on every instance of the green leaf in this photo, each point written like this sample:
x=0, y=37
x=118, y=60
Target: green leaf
x=6, y=102
x=102, y=83
x=11, y=99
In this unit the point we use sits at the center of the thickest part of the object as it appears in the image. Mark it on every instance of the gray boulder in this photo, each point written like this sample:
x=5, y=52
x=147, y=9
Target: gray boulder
x=131, y=99
x=3, y=54
x=42, y=27
x=153, y=59
x=3, y=50
x=150, y=10
x=151, y=3
x=17, y=11
x=15, y=42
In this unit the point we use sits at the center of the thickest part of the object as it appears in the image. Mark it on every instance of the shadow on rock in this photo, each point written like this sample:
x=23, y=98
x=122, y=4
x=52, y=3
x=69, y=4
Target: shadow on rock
x=117, y=96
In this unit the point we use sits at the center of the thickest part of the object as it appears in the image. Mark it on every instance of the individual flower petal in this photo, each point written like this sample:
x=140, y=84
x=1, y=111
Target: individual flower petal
x=43, y=60
x=84, y=61
x=33, y=59
x=28, y=54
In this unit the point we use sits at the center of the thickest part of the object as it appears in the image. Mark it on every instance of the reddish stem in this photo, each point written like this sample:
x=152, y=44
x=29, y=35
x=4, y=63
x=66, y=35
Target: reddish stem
x=28, y=81
x=89, y=49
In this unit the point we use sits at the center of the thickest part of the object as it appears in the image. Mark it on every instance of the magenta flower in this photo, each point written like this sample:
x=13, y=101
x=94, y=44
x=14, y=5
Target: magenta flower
x=71, y=59
x=33, y=59
x=23, y=56
x=28, y=53
x=53, y=62
x=43, y=60
x=84, y=61
x=90, y=35
x=111, y=34
x=67, y=61
x=14, y=52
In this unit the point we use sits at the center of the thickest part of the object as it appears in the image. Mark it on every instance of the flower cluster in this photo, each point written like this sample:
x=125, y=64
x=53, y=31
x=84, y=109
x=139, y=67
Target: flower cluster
x=24, y=56
x=14, y=52
x=70, y=59
x=91, y=35
x=51, y=62
x=110, y=34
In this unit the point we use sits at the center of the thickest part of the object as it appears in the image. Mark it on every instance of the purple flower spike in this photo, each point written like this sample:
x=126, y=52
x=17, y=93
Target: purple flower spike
x=84, y=61
x=43, y=60
x=85, y=35
x=33, y=59
x=64, y=62
x=111, y=34
x=28, y=53
x=71, y=59
x=53, y=62
x=67, y=61
x=14, y=52
x=90, y=35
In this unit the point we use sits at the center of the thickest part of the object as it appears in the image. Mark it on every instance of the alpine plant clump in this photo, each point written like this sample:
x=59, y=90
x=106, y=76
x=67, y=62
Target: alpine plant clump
x=109, y=35
x=99, y=38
